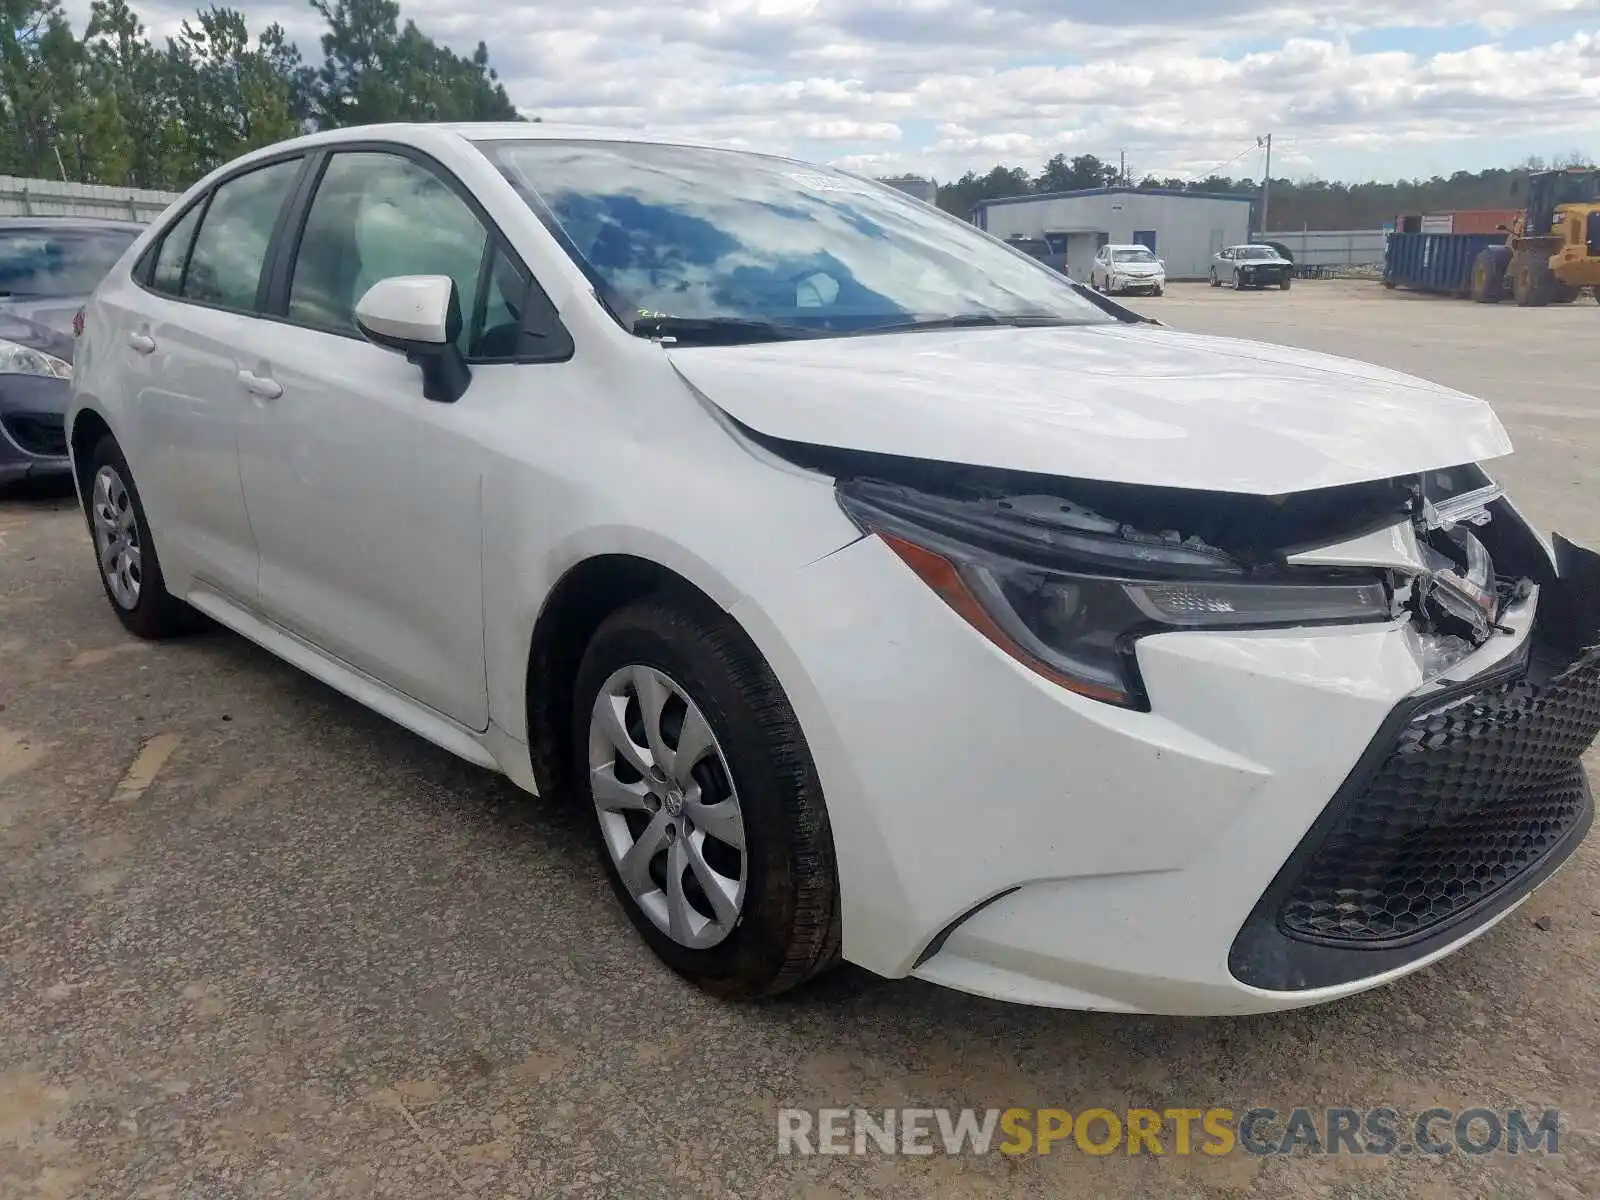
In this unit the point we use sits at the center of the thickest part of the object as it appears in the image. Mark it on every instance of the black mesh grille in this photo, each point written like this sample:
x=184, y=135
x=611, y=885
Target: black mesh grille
x=1469, y=800
x=37, y=433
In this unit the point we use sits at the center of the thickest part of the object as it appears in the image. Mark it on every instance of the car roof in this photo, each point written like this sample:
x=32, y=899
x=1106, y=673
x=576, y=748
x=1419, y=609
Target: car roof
x=422, y=132
x=1126, y=246
x=17, y=221
x=1252, y=246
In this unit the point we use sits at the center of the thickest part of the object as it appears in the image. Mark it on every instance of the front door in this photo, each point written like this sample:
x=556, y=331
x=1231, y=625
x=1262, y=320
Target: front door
x=365, y=497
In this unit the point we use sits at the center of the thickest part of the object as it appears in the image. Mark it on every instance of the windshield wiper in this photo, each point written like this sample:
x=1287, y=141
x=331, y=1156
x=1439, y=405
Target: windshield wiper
x=717, y=329
x=966, y=320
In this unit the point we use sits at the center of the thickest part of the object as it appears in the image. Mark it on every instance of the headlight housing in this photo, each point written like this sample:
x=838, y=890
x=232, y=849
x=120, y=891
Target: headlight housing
x=16, y=359
x=1070, y=602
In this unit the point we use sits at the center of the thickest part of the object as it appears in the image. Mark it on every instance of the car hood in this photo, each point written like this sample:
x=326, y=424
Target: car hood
x=1125, y=403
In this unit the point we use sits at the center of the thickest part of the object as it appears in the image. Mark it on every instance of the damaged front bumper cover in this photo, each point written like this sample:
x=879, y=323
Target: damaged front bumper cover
x=1470, y=796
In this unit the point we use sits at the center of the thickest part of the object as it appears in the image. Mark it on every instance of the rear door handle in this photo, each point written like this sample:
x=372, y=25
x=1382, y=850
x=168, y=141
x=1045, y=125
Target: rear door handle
x=142, y=342
x=269, y=389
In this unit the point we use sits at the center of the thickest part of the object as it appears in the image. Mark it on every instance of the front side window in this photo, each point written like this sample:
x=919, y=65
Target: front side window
x=743, y=239
x=231, y=247
x=377, y=215
x=58, y=262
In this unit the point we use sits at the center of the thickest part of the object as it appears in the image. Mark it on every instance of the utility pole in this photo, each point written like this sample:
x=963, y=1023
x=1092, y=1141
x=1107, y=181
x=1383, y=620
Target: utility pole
x=1266, y=181
x=1122, y=171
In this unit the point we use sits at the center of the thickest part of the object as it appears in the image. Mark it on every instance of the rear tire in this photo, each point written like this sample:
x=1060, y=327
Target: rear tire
x=1489, y=275
x=125, y=553
x=655, y=673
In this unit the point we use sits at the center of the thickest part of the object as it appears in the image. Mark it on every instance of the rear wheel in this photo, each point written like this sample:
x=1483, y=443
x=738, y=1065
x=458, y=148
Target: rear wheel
x=708, y=811
x=125, y=553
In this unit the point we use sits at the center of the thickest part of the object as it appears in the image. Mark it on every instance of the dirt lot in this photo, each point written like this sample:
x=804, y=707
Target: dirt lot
x=256, y=942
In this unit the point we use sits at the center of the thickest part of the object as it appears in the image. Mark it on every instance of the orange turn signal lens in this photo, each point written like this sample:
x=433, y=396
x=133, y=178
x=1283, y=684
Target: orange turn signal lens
x=942, y=575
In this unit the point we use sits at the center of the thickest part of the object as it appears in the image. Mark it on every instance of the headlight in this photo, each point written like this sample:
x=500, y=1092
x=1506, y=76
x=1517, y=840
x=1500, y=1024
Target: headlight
x=25, y=360
x=1070, y=604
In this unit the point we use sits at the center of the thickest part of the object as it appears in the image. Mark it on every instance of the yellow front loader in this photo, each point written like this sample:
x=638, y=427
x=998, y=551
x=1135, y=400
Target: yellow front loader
x=1552, y=250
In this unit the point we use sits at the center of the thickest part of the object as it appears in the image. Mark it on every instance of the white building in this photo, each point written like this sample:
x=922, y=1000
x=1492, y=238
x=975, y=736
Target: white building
x=1184, y=228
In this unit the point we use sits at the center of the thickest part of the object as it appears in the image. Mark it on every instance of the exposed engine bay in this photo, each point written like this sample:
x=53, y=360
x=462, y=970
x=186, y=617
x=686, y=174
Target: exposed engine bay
x=1452, y=552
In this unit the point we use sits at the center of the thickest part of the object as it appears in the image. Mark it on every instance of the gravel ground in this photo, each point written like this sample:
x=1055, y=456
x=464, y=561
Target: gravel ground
x=293, y=951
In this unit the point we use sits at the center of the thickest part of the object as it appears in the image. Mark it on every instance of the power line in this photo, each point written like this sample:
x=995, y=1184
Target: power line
x=1228, y=163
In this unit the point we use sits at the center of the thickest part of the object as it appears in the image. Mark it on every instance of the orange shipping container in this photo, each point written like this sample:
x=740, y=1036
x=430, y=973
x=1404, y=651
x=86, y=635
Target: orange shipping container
x=1472, y=220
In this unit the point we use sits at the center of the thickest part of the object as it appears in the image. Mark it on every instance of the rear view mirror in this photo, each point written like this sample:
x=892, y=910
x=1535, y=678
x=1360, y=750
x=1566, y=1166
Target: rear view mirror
x=419, y=316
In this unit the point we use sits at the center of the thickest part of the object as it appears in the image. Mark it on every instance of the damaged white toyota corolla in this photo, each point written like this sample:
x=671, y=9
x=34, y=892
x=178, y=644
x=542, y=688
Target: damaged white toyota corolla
x=881, y=594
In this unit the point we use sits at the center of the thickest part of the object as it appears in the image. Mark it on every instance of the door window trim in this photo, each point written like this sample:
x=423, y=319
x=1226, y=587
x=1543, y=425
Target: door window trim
x=293, y=227
x=144, y=271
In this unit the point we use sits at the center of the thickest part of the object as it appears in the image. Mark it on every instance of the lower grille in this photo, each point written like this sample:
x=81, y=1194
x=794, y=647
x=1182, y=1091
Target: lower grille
x=1469, y=799
x=37, y=433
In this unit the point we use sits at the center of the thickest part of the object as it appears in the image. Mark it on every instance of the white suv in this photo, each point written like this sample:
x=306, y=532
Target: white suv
x=1122, y=269
x=880, y=593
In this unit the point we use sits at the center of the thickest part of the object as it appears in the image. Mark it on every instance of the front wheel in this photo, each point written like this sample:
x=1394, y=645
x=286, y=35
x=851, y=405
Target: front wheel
x=125, y=553
x=708, y=812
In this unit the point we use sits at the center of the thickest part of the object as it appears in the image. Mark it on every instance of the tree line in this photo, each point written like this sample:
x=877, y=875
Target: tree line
x=1294, y=204
x=112, y=106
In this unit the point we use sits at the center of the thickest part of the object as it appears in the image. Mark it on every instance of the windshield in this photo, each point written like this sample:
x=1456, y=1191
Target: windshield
x=1255, y=252
x=747, y=241
x=1139, y=255
x=61, y=264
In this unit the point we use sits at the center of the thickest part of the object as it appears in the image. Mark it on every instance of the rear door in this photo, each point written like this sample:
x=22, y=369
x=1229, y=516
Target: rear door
x=176, y=329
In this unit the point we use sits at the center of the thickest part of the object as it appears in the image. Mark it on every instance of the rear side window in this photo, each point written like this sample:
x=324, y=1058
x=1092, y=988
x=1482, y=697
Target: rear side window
x=231, y=247
x=174, y=253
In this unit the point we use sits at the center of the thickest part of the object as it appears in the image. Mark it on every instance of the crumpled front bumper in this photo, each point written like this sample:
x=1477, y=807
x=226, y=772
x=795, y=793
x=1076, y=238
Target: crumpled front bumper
x=1002, y=836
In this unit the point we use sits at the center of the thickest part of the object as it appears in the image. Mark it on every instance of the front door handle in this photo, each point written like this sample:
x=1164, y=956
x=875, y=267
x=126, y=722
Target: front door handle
x=267, y=389
x=142, y=342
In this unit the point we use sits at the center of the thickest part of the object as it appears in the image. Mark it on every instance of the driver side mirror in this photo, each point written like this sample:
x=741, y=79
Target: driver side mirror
x=419, y=316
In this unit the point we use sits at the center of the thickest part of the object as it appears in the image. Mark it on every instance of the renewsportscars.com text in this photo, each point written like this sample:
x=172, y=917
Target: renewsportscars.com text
x=1212, y=1132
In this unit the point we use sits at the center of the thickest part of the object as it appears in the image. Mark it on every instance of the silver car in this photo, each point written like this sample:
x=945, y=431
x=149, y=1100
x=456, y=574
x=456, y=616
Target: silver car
x=1251, y=267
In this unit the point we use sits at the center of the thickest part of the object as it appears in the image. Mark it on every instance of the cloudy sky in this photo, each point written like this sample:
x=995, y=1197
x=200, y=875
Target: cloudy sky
x=1350, y=88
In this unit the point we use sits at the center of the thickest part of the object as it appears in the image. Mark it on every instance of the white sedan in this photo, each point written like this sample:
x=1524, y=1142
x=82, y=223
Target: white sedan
x=1122, y=269
x=881, y=594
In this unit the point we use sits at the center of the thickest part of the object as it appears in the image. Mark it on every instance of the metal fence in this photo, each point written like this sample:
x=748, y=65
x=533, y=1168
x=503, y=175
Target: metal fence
x=53, y=198
x=1331, y=247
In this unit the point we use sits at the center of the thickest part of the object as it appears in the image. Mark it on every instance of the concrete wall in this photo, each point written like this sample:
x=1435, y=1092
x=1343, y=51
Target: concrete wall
x=52, y=198
x=1188, y=229
x=1331, y=247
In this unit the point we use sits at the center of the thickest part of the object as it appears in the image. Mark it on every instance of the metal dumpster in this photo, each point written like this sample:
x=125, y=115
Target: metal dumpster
x=1435, y=262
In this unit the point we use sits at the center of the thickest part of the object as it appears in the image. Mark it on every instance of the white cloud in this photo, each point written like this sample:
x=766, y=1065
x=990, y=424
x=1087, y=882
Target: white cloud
x=941, y=86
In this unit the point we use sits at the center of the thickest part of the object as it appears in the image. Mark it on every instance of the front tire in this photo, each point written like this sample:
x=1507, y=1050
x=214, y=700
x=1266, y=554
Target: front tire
x=125, y=553
x=1489, y=275
x=709, y=817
